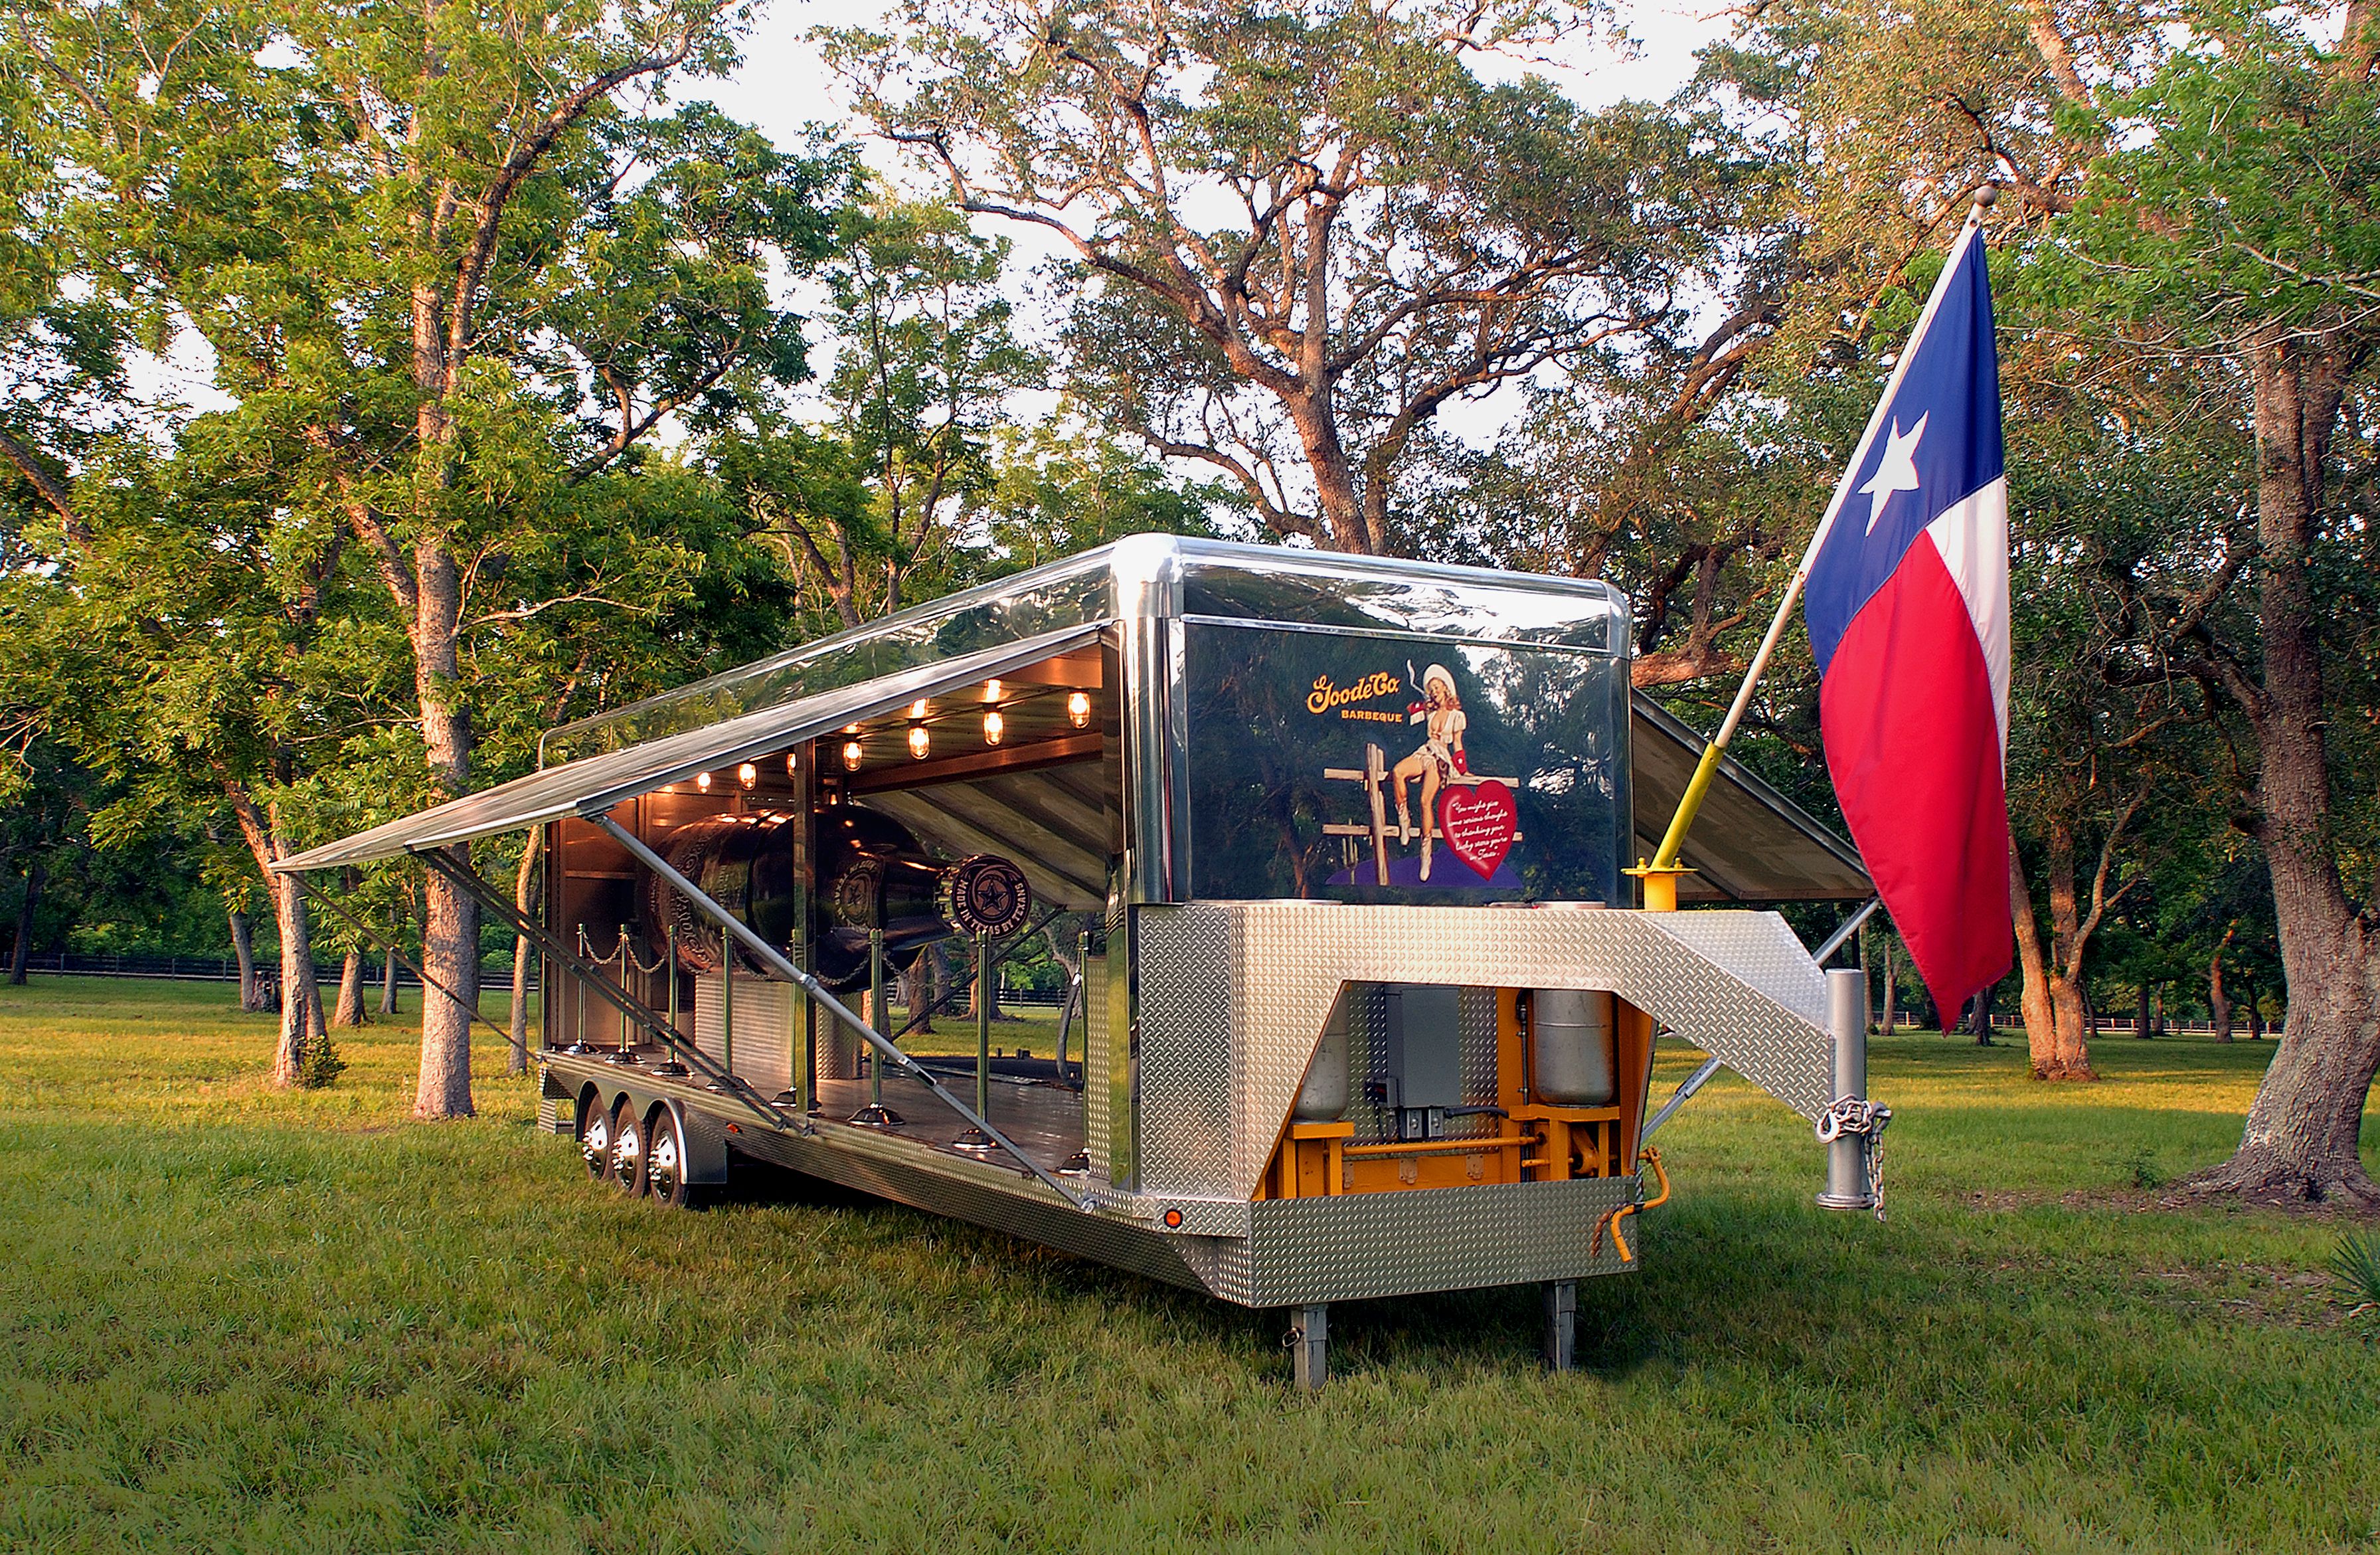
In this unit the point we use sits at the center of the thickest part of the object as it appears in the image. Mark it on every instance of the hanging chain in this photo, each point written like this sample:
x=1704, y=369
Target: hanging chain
x=1856, y=1115
x=626, y=956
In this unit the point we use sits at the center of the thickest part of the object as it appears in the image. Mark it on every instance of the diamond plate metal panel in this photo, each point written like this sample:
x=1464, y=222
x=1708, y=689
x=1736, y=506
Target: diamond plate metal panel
x=1186, y=1122
x=1098, y=1059
x=1288, y=961
x=1356, y=1245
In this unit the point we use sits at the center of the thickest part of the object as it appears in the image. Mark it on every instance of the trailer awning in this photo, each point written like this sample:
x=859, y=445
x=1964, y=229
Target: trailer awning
x=593, y=784
x=1750, y=843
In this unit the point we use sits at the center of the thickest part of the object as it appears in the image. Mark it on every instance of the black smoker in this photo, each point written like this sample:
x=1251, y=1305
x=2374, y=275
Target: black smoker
x=871, y=875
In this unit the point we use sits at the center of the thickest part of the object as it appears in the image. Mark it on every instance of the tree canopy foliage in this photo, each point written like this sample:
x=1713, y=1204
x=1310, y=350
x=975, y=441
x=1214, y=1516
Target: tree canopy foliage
x=534, y=383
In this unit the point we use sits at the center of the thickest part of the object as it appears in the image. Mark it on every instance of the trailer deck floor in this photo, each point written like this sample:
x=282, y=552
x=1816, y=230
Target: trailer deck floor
x=1043, y=1117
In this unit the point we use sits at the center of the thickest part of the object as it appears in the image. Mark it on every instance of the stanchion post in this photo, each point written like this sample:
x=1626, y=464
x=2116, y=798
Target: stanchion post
x=876, y=1013
x=1847, y=1178
x=976, y=1139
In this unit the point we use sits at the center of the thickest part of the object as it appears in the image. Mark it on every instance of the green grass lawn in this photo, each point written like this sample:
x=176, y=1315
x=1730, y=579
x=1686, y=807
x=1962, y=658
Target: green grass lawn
x=242, y=1320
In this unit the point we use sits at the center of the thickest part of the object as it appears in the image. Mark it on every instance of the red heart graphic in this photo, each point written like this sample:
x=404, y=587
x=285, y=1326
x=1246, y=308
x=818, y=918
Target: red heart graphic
x=1477, y=822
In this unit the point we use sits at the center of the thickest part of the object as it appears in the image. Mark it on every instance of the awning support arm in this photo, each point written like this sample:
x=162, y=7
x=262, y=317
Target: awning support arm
x=390, y=945
x=628, y=1004
x=777, y=962
x=1851, y=927
x=1680, y=1096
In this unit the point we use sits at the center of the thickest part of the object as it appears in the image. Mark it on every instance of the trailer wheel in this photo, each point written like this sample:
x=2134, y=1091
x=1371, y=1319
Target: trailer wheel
x=665, y=1162
x=595, y=1135
x=627, y=1149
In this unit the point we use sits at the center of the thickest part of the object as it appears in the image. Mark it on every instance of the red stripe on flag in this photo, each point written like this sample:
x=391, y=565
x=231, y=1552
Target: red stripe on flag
x=1912, y=743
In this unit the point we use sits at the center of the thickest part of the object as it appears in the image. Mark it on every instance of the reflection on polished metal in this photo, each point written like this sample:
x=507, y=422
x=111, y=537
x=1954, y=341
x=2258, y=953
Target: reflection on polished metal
x=975, y=1140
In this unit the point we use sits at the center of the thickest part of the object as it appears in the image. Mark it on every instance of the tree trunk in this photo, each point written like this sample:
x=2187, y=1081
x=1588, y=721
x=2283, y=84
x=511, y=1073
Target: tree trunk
x=2299, y=1143
x=1891, y=987
x=2141, y=1013
x=303, y=1036
x=2032, y=999
x=2218, y=1002
x=22, y=956
x=303, y=1054
x=1983, y=1020
x=2070, y=1056
x=450, y=930
x=349, y=1011
x=388, y=982
x=1334, y=474
x=243, y=946
x=523, y=897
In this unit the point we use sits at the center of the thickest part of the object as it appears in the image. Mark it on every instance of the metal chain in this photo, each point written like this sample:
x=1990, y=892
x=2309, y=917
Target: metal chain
x=1855, y=1115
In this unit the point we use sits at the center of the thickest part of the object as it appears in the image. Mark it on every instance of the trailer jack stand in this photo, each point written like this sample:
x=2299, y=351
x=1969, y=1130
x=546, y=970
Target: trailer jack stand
x=1309, y=1347
x=1561, y=1325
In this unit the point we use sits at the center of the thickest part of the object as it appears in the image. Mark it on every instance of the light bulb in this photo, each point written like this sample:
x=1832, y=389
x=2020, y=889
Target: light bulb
x=919, y=743
x=918, y=707
x=851, y=728
x=793, y=762
x=702, y=781
x=851, y=754
x=993, y=727
x=991, y=690
x=1078, y=710
x=748, y=775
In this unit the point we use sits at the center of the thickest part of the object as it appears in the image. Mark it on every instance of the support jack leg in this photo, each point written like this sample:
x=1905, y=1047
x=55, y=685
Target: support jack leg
x=1309, y=1344
x=1561, y=1325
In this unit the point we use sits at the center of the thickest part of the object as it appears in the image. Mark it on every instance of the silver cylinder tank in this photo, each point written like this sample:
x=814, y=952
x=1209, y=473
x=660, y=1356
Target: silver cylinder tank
x=1571, y=1046
x=1324, y=1096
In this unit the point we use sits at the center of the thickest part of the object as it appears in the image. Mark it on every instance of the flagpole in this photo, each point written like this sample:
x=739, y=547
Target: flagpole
x=1660, y=875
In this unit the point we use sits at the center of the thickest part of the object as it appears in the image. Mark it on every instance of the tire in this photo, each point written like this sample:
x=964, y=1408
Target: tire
x=665, y=1162
x=628, y=1149
x=595, y=1136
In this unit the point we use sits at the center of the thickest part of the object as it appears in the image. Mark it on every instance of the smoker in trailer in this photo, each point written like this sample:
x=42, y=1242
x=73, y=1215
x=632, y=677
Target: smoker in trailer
x=1338, y=844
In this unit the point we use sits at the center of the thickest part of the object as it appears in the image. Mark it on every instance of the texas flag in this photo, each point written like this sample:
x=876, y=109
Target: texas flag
x=1908, y=609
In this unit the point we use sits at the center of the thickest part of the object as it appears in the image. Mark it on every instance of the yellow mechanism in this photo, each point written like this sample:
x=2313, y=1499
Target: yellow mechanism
x=1534, y=1142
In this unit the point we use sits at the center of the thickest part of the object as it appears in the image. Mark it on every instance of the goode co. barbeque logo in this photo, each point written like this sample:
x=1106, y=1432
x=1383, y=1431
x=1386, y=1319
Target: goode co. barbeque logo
x=1327, y=697
x=1470, y=815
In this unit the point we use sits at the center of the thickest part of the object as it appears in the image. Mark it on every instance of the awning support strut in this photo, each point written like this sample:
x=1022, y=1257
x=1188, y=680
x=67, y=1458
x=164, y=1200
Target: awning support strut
x=777, y=962
x=628, y=1004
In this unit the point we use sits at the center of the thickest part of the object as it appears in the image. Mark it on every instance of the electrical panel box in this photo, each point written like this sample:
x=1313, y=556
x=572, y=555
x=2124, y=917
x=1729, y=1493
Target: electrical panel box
x=1424, y=1057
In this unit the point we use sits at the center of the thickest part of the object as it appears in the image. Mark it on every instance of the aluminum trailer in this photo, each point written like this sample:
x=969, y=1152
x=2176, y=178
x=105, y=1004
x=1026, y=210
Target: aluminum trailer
x=1363, y=1009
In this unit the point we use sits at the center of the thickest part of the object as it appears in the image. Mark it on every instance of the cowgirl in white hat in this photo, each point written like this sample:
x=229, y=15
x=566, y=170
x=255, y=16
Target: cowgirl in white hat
x=1440, y=760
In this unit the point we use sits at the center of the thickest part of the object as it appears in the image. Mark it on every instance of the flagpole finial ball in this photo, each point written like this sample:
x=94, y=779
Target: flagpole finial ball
x=1986, y=196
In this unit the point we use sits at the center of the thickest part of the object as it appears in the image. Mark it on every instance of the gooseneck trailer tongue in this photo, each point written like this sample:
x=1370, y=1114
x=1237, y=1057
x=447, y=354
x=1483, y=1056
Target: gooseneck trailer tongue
x=1341, y=842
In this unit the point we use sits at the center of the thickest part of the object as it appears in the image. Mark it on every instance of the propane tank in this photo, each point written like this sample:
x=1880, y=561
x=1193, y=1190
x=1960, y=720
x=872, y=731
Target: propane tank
x=1324, y=1095
x=1571, y=1060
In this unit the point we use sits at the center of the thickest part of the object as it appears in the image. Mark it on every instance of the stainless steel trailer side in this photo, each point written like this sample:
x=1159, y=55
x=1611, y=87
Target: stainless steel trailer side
x=1343, y=838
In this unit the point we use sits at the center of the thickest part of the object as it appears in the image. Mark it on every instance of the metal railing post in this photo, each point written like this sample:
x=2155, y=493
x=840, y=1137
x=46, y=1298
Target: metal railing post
x=976, y=1139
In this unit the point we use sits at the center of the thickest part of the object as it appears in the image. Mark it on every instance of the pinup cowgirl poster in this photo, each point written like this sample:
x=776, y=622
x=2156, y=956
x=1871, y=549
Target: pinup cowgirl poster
x=1365, y=768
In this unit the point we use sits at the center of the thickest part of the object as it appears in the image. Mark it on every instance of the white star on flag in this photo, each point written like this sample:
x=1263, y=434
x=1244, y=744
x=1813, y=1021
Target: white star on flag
x=1897, y=471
